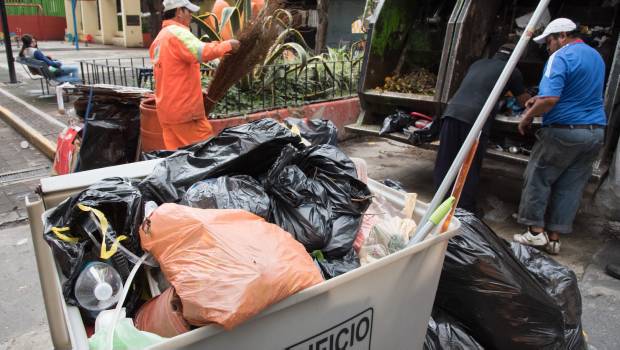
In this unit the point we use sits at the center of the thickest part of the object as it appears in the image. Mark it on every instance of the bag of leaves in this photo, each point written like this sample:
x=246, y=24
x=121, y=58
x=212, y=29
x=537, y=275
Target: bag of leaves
x=331, y=268
x=226, y=265
x=446, y=333
x=248, y=149
x=229, y=192
x=396, y=122
x=316, y=196
x=498, y=298
x=111, y=132
x=316, y=131
x=99, y=223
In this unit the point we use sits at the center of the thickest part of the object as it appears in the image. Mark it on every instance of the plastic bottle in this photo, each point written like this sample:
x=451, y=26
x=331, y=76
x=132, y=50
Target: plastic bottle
x=98, y=287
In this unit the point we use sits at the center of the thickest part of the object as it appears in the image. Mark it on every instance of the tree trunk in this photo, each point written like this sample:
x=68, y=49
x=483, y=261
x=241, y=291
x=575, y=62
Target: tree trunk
x=156, y=9
x=322, y=8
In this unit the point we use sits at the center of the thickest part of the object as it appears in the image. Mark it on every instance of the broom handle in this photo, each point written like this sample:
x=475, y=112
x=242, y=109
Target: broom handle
x=460, y=183
x=481, y=120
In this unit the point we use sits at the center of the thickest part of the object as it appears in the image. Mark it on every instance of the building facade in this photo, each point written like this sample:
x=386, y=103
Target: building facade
x=111, y=22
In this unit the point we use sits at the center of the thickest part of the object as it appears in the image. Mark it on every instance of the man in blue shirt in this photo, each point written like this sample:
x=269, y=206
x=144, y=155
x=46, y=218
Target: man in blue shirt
x=571, y=104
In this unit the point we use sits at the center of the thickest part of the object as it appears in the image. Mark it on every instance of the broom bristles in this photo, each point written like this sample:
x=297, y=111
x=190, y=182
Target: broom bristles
x=255, y=41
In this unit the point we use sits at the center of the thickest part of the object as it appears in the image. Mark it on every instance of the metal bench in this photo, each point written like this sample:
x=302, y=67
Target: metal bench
x=38, y=70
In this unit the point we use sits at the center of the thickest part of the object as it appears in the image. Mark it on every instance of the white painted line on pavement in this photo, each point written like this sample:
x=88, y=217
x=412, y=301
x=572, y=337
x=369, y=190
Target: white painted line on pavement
x=34, y=109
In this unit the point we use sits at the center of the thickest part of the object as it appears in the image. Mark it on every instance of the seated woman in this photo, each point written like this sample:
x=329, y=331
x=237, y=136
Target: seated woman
x=62, y=73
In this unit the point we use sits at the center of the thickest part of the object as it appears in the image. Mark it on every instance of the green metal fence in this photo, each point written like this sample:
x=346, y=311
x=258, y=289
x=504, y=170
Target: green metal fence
x=26, y=8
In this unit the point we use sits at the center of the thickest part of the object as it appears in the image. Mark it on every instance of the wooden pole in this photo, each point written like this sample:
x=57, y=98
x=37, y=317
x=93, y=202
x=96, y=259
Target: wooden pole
x=322, y=8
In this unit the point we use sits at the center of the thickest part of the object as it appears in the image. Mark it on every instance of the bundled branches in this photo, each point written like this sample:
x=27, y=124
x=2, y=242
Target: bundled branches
x=256, y=39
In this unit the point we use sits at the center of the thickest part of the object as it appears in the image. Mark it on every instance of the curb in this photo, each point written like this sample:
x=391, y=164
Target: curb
x=47, y=147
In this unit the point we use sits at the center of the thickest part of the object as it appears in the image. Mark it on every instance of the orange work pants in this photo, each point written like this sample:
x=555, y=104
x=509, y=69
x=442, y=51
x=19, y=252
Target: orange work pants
x=185, y=134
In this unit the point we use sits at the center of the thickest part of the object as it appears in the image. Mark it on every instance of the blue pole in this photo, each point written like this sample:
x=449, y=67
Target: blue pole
x=76, y=38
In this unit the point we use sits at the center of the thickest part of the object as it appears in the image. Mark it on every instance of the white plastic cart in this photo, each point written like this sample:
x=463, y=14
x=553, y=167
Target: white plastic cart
x=383, y=306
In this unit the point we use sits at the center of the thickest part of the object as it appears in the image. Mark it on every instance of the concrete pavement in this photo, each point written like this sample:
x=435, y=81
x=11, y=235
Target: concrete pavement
x=24, y=323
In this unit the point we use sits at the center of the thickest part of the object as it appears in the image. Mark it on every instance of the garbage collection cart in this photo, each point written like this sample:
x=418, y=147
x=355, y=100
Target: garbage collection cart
x=383, y=305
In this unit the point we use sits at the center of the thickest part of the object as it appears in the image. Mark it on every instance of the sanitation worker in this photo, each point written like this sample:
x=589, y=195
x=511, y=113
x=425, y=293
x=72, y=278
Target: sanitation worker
x=571, y=104
x=176, y=55
x=461, y=113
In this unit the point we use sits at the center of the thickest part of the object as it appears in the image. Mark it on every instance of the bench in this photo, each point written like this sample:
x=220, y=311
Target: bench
x=39, y=70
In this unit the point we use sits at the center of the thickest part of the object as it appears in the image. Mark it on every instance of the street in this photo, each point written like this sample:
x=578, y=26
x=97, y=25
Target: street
x=23, y=322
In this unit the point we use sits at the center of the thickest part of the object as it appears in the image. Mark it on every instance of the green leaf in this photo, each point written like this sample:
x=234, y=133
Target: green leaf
x=277, y=50
x=211, y=33
x=297, y=37
x=245, y=7
x=231, y=14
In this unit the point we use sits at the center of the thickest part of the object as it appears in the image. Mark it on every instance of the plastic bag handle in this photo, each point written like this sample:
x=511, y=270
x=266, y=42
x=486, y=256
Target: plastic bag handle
x=104, y=224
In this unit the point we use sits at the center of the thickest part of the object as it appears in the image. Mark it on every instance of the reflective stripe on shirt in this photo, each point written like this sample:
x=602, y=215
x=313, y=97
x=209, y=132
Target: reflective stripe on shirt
x=188, y=39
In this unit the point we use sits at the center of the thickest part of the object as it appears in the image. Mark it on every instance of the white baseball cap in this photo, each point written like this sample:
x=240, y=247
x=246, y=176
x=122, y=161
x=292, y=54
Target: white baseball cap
x=559, y=25
x=174, y=4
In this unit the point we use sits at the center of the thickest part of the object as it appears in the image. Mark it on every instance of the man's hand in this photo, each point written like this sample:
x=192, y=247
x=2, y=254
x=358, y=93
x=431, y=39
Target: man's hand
x=529, y=103
x=234, y=44
x=525, y=123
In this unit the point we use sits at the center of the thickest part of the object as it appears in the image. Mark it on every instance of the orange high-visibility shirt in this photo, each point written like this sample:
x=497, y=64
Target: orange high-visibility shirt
x=176, y=55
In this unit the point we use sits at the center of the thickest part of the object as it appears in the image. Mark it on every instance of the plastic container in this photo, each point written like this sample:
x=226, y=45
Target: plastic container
x=98, y=287
x=150, y=130
x=383, y=305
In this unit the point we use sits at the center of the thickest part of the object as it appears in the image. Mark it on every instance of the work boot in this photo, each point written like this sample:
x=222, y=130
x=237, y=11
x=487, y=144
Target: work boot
x=531, y=239
x=613, y=270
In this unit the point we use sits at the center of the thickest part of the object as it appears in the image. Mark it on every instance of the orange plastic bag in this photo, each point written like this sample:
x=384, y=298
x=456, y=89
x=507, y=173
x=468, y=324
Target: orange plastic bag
x=162, y=315
x=226, y=265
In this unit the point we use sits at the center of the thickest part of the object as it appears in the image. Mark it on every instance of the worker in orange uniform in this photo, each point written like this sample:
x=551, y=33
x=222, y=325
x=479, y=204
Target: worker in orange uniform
x=177, y=54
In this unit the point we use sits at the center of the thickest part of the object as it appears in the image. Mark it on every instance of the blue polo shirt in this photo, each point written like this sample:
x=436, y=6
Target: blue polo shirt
x=576, y=74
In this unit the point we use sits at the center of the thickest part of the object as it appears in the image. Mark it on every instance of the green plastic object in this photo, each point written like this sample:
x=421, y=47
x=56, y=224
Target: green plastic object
x=442, y=211
x=126, y=335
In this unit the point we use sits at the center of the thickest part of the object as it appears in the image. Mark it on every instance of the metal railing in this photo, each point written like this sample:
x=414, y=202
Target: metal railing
x=118, y=71
x=269, y=87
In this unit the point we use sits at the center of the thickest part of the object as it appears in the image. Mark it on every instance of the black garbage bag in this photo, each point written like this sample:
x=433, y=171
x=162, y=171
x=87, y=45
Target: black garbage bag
x=156, y=155
x=229, y=192
x=395, y=184
x=561, y=283
x=331, y=268
x=67, y=228
x=446, y=333
x=427, y=134
x=248, y=149
x=316, y=196
x=316, y=131
x=299, y=204
x=493, y=294
x=111, y=134
x=396, y=122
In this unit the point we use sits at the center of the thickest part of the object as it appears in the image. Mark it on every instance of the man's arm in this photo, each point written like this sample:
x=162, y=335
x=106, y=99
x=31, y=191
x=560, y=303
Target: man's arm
x=539, y=106
x=551, y=88
x=193, y=50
